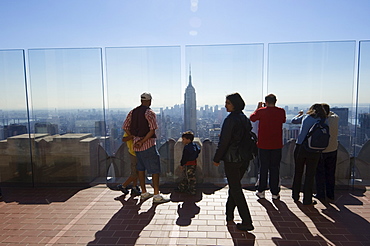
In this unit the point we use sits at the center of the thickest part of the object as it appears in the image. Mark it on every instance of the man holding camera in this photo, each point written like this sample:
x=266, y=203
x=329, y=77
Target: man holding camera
x=270, y=144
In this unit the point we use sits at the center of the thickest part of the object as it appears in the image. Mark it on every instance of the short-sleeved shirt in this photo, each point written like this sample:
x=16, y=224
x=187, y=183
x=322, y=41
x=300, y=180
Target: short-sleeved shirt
x=152, y=122
x=270, y=127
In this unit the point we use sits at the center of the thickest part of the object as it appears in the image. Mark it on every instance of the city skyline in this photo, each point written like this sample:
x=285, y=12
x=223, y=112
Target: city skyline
x=205, y=122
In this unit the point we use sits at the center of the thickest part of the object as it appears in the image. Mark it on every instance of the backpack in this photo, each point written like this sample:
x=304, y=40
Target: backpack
x=317, y=138
x=253, y=144
x=246, y=151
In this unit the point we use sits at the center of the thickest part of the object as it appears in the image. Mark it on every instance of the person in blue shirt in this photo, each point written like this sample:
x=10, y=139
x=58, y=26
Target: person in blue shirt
x=188, y=163
x=305, y=160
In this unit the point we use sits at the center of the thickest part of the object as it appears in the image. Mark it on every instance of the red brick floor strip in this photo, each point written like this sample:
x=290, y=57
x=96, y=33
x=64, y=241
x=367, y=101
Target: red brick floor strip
x=74, y=221
x=69, y=216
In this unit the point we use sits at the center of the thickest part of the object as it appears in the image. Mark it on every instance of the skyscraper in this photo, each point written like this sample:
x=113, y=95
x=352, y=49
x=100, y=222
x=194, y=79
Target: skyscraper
x=190, y=108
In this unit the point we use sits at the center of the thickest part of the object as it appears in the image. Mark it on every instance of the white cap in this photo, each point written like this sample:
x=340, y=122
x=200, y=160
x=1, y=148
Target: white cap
x=146, y=96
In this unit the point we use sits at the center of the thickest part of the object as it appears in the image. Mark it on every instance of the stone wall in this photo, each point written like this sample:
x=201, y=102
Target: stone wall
x=57, y=159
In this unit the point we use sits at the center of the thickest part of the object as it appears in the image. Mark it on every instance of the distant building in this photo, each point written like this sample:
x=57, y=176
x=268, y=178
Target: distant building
x=214, y=134
x=100, y=128
x=190, y=108
x=344, y=129
x=343, y=116
x=46, y=127
x=286, y=108
x=290, y=131
x=295, y=110
x=364, y=131
x=14, y=130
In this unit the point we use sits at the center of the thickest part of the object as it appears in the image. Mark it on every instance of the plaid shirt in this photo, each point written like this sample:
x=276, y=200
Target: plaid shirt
x=151, y=118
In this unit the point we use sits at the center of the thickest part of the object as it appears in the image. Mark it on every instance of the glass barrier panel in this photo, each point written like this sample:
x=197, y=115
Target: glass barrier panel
x=130, y=72
x=215, y=71
x=301, y=74
x=15, y=151
x=67, y=116
x=361, y=167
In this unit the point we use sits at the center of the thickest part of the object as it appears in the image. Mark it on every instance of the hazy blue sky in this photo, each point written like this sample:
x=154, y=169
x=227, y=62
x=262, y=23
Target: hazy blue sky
x=183, y=25
x=96, y=23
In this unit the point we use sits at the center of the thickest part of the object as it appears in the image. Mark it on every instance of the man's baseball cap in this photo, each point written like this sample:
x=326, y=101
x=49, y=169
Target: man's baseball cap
x=146, y=96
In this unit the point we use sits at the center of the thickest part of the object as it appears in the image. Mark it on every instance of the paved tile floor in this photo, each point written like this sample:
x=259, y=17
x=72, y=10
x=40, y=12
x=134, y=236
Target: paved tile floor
x=91, y=216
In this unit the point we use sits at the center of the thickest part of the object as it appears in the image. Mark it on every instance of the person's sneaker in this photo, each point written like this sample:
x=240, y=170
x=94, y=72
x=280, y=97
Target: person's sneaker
x=276, y=197
x=242, y=227
x=160, y=199
x=135, y=191
x=123, y=189
x=260, y=195
x=146, y=195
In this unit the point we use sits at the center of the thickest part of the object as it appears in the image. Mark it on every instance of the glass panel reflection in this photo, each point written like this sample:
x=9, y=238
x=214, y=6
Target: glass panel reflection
x=216, y=71
x=73, y=142
x=130, y=72
x=67, y=114
x=361, y=167
x=15, y=152
x=301, y=74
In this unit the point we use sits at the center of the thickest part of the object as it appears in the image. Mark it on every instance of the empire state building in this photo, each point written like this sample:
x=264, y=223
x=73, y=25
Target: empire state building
x=190, y=108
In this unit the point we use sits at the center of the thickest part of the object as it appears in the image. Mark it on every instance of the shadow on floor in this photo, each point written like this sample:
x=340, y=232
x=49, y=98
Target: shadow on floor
x=125, y=226
x=38, y=195
x=240, y=238
x=291, y=229
x=188, y=208
x=338, y=223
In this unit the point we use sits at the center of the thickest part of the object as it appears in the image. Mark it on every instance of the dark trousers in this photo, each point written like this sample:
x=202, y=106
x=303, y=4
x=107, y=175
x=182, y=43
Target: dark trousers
x=269, y=163
x=302, y=159
x=325, y=175
x=234, y=173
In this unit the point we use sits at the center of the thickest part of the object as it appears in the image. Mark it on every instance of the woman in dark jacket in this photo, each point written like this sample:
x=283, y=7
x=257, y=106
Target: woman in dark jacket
x=233, y=150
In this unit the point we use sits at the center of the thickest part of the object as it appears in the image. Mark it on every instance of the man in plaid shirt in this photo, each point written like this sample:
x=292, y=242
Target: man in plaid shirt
x=141, y=124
